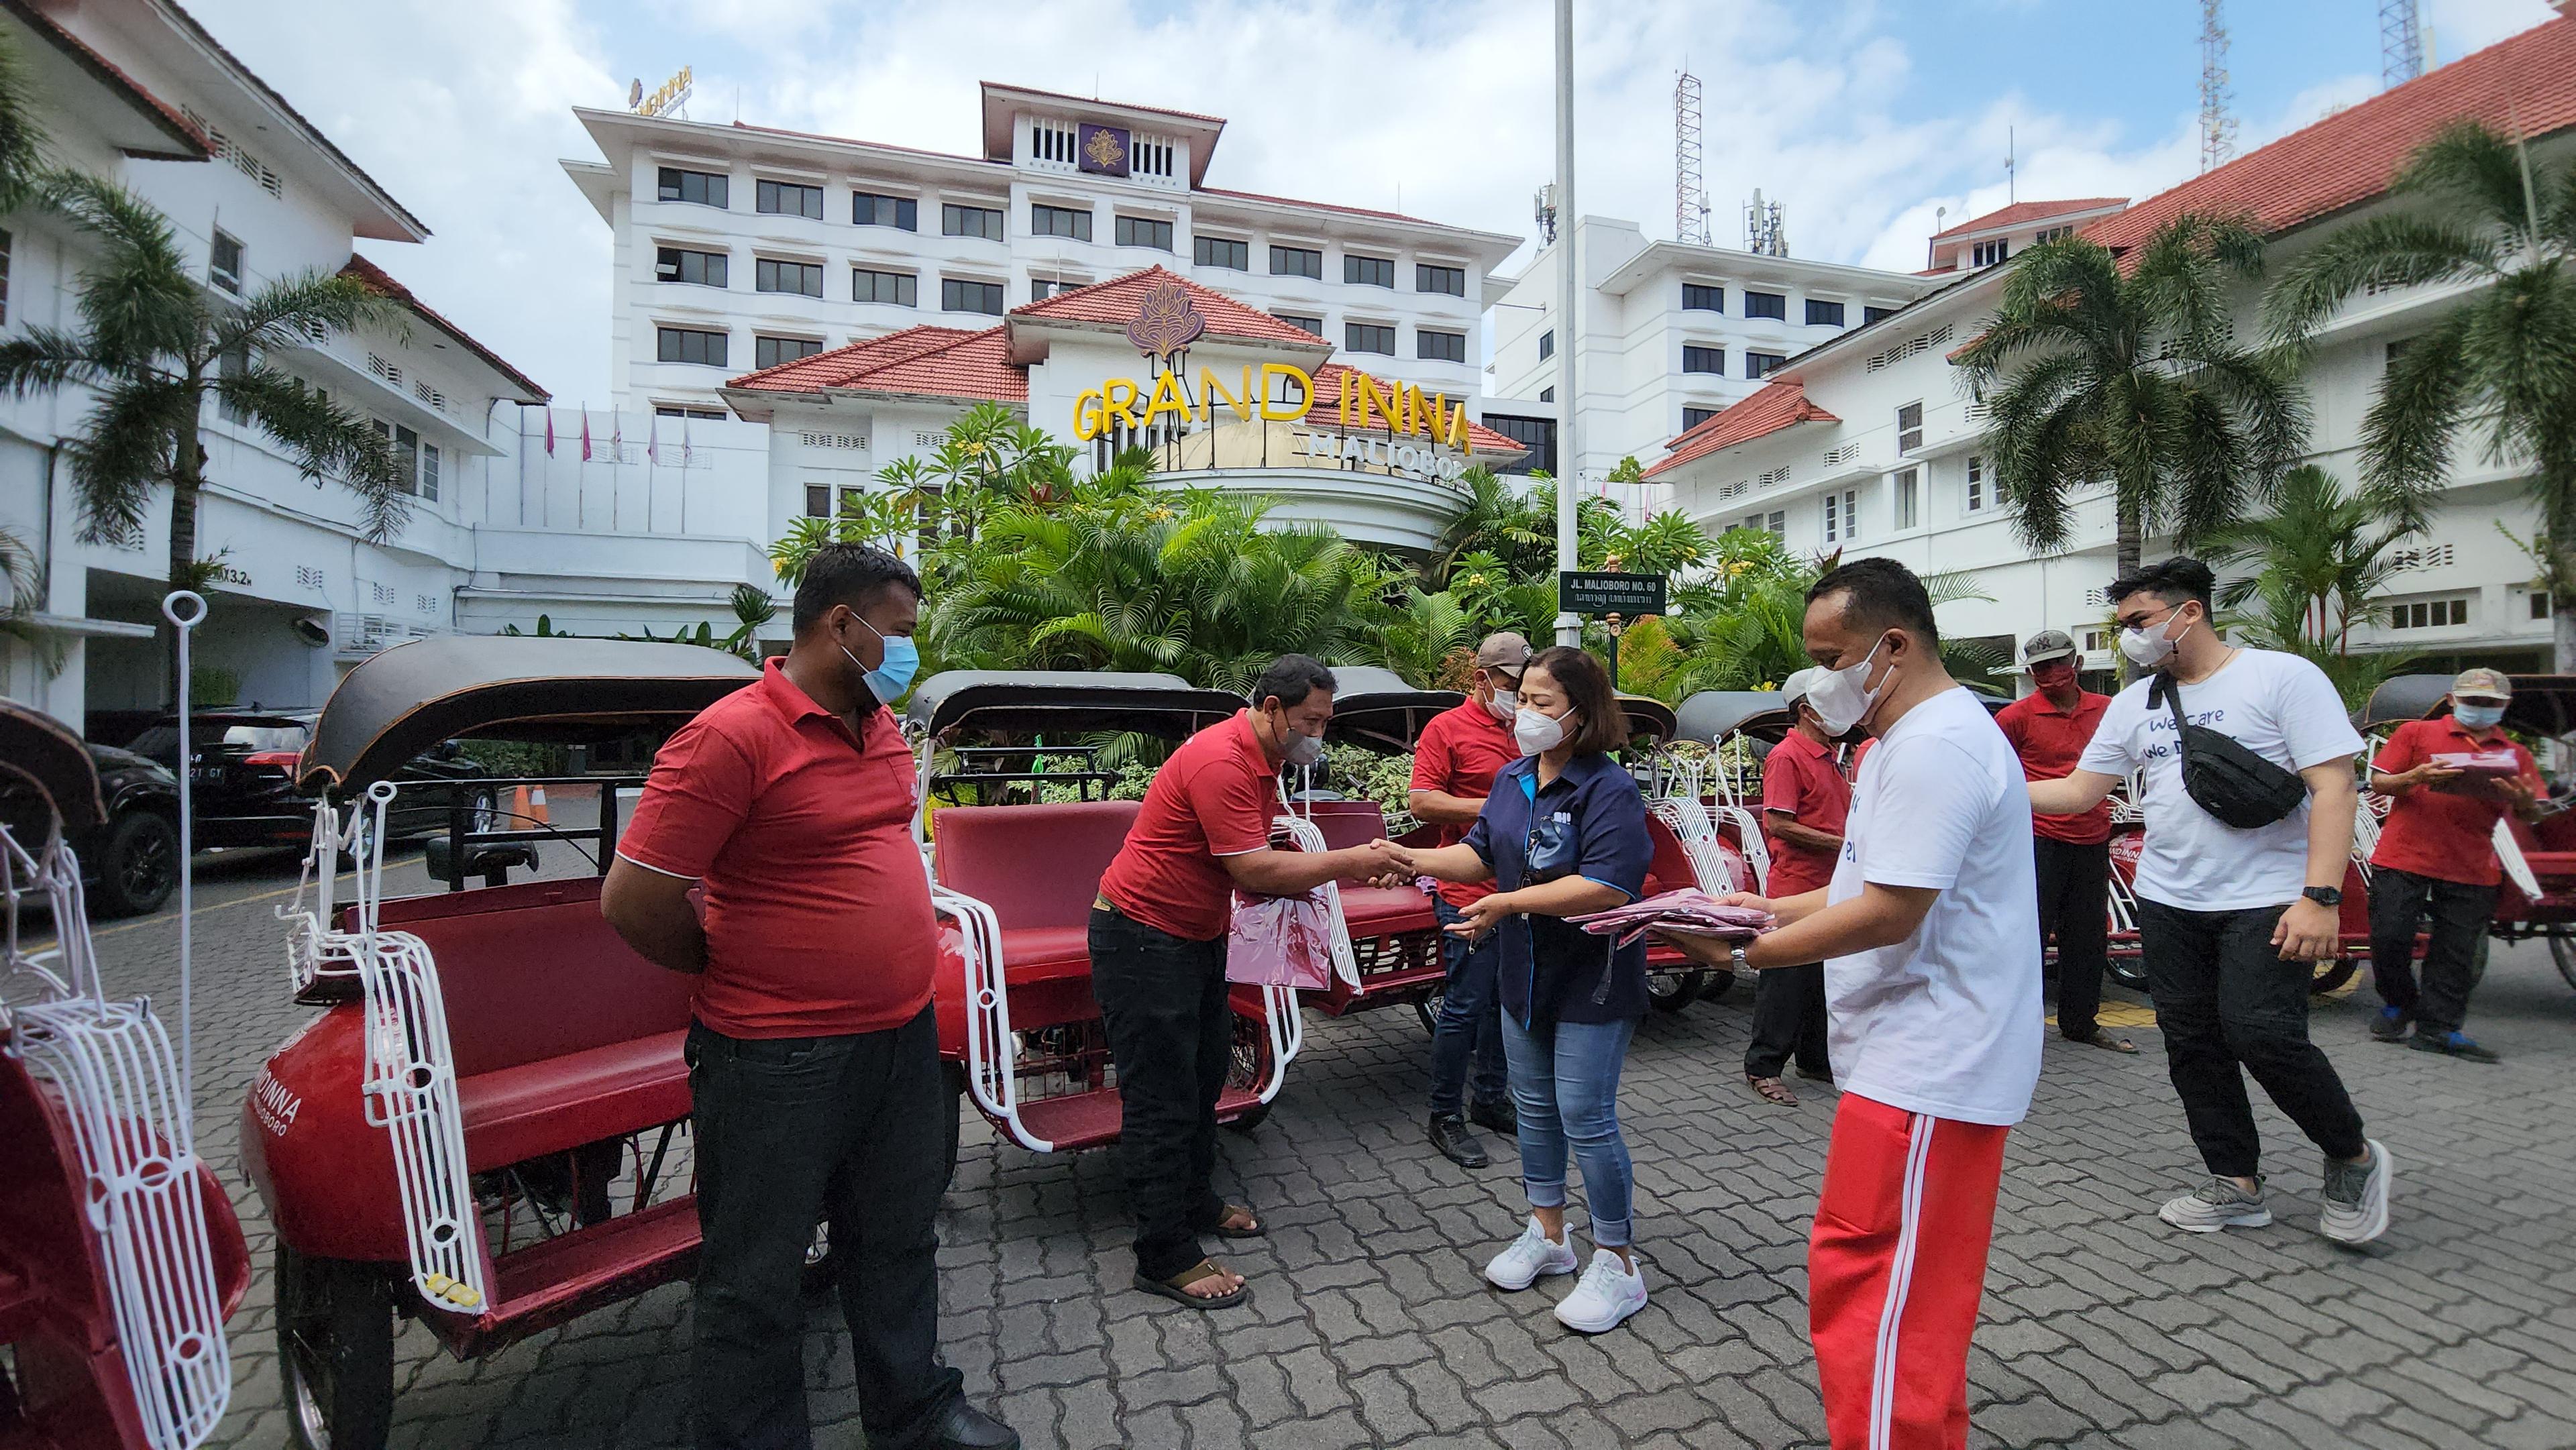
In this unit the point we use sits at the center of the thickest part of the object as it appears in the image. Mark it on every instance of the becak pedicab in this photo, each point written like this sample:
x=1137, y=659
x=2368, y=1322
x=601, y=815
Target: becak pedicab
x=120, y=1256
x=471, y=1047
x=1703, y=814
x=1013, y=887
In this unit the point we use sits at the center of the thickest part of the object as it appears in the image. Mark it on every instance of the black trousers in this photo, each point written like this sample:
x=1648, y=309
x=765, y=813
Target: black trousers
x=1788, y=1017
x=2228, y=1006
x=2399, y=903
x=789, y=1130
x=2075, y=908
x=1172, y=1038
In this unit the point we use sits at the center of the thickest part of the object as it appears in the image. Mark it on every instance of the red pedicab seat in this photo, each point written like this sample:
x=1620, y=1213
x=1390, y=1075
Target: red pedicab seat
x=1395, y=934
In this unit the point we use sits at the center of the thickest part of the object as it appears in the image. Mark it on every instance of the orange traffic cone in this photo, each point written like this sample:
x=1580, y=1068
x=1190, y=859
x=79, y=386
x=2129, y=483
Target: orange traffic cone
x=537, y=806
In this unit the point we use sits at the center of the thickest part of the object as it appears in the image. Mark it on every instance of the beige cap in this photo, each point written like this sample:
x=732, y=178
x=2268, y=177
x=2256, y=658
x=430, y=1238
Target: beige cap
x=1795, y=688
x=1503, y=651
x=2481, y=683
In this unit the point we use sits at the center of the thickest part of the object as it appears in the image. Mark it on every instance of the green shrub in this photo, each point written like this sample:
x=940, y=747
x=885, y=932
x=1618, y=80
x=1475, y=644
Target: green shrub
x=511, y=759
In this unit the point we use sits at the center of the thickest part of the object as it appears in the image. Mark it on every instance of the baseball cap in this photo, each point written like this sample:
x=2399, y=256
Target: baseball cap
x=2048, y=644
x=2481, y=683
x=1794, y=688
x=1505, y=651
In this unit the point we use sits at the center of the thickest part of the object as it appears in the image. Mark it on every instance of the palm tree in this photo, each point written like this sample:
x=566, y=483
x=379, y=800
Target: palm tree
x=2502, y=363
x=22, y=142
x=1501, y=521
x=155, y=345
x=2319, y=545
x=2127, y=368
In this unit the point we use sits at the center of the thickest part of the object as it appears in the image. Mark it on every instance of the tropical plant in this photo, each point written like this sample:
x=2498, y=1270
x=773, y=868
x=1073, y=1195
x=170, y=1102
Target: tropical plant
x=1501, y=522
x=752, y=608
x=2280, y=614
x=2501, y=364
x=1420, y=632
x=156, y=345
x=1753, y=637
x=2126, y=368
x=2318, y=544
x=22, y=131
x=24, y=584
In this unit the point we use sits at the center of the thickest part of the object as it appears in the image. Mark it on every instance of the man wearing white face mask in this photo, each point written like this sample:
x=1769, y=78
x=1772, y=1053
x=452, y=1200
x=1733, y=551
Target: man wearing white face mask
x=2229, y=916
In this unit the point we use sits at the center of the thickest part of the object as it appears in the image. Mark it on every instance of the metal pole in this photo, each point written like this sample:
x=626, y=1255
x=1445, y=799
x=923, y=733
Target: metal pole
x=185, y=609
x=1569, y=226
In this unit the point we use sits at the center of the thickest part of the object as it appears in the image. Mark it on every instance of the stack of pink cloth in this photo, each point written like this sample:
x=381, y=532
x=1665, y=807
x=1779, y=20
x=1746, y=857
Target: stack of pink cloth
x=1688, y=910
x=2479, y=762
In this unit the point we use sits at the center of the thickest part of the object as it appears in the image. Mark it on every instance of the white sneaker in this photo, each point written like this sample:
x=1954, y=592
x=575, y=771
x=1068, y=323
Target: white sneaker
x=1531, y=1255
x=2355, y=1208
x=1609, y=1293
x=2217, y=1204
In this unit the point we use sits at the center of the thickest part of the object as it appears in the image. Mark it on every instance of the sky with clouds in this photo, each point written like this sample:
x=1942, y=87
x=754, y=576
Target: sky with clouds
x=1862, y=116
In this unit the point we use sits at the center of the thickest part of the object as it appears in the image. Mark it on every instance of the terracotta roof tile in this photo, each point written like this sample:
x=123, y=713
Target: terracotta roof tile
x=835, y=367
x=194, y=143
x=378, y=281
x=1777, y=406
x=1114, y=302
x=941, y=362
x=1096, y=101
x=1393, y=216
x=2527, y=81
x=2027, y=211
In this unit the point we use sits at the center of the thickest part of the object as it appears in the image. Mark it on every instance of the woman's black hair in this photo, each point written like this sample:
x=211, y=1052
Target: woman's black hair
x=1599, y=722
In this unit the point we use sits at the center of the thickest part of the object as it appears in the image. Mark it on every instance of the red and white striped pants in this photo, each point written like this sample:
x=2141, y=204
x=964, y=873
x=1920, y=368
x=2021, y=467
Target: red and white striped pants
x=1894, y=1268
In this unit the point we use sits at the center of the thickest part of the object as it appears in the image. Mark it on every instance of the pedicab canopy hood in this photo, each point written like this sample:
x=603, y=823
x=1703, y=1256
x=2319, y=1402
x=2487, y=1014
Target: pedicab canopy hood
x=1065, y=701
x=1649, y=717
x=44, y=753
x=404, y=700
x=1373, y=706
x=2542, y=704
x=1712, y=715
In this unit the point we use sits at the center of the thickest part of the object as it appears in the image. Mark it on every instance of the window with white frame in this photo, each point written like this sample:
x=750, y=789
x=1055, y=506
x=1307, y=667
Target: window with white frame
x=1976, y=484
x=897, y=289
x=1909, y=427
x=1763, y=364
x=970, y=221
x=415, y=463
x=1368, y=337
x=1547, y=345
x=2051, y=234
x=1439, y=346
x=1698, y=297
x=224, y=262
x=787, y=198
x=1907, y=490
x=769, y=352
x=698, y=269
x=1987, y=254
x=1314, y=325
x=2429, y=613
x=1696, y=359
x=1842, y=516
x=1775, y=523
x=1052, y=141
x=1693, y=417
x=802, y=278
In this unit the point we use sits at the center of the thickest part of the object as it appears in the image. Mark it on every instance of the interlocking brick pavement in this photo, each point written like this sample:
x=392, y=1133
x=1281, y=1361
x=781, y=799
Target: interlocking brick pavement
x=1369, y=1325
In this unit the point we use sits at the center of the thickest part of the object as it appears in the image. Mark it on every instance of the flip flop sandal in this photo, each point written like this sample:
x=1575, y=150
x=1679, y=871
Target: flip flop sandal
x=1176, y=1288
x=2107, y=1044
x=1224, y=1230
x=1772, y=1090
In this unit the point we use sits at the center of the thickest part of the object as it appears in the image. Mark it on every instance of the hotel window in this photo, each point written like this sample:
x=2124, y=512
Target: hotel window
x=1987, y=254
x=2539, y=604
x=1704, y=360
x=429, y=472
x=787, y=198
x=1042, y=288
x=1547, y=345
x=802, y=278
x=769, y=352
x=224, y=263
x=699, y=188
x=1909, y=427
x=898, y=289
x=818, y=501
x=1547, y=395
x=2429, y=613
x=1134, y=231
x=1536, y=434
x=1976, y=484
x=1824, y=314
x=1051, y=141
x=1763, y=364
x=703, y=415
x=1059, y=221
x=230, y=365
x=1297, y=262
x=1774, y=523
x=1369, y=271
x=1766, y=304
x=407, y=459
x=1699, y=298
x=1368, y=337
x=870, y=209
x=702, y=269
x=1440, y=346
x=1842, y=516
x=1909, y=506
x=1223, y=252
x=1451, y=280
x=688, y=345
x=961, y=296
x=1869, y=315
x=1693, y=417
x=2050, y=234
x=970, y=221
x=1314, y=325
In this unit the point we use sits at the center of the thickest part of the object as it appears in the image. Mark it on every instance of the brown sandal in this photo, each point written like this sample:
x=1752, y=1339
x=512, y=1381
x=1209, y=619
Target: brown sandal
x=1177, y=1287
x=1772, y=1090
x=1226, y=1228
x=2107, y=1044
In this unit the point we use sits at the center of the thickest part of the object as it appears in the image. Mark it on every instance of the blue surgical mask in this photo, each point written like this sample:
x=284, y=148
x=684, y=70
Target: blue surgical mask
x=902, y=660
x=2478, y=717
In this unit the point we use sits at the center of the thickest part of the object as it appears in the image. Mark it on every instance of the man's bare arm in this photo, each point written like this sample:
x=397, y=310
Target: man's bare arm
x=651, y=910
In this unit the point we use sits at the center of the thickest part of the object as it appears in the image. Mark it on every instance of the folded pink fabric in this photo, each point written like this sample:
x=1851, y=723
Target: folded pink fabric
x=2479, y=762
x=1689, y=910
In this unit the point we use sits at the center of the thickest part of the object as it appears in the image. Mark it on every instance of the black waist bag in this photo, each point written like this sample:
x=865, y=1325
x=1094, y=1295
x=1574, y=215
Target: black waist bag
x=2236, y=786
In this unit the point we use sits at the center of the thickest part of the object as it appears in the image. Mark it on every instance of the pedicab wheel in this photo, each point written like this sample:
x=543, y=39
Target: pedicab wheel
x=1428, y=1011
x=335, y=1351
x=2562, y=950
x=2331, y=973
x=1672, y=991
x=1249, y=1119
x=953, y=1074
x=1717, y=986
x=2129, y=972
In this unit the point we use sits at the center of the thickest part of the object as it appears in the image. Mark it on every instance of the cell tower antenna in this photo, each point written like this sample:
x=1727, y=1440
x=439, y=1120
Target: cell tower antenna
x=2401, y=42
x=2217, y=125
x=1690, y=191
x=1765, y=232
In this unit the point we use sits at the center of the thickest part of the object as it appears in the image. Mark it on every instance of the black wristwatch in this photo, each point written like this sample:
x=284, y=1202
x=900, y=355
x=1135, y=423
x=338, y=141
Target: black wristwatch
x=2324, y=895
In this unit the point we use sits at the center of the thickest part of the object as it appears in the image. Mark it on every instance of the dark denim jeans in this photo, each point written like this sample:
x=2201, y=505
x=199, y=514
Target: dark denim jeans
x=2229, y=1006
x=789, y=1130
x=1470, y=1022
x=2399, y=902
x=2075, y=907
x=1172, y=1038
x=1565, y=1085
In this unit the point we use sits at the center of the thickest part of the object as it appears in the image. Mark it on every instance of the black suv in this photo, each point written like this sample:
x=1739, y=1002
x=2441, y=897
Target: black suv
x=131, y=865
x=241, y=778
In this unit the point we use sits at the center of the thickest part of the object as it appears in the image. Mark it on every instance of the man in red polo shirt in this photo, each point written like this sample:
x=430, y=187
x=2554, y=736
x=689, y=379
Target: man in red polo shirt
x=814, y=1079
x=1454, y=764
x=1157, y=945
x=1804, y=799
x=2436, y=857
x=2049, y=728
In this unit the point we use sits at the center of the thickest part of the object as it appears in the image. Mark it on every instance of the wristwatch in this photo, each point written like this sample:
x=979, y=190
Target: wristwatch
x=2324, y=895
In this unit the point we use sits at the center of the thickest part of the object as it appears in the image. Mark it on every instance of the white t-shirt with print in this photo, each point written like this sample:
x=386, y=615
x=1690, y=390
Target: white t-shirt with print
x=2278, y=705
x=1948, y=1021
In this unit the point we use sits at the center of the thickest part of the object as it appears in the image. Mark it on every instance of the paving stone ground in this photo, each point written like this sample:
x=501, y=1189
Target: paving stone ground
x=1370, y=1326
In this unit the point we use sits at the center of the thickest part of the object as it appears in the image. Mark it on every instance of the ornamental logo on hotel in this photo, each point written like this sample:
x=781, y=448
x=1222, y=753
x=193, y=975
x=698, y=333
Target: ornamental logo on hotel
x=1104, y=150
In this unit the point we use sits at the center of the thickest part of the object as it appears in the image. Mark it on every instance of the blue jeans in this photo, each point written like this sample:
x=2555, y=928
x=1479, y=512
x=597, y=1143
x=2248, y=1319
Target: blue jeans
x=1470, y=1020
x=1565, y=1082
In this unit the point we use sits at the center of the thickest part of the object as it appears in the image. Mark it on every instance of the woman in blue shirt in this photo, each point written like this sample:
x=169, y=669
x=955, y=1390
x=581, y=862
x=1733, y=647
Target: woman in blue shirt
x=1563, y=833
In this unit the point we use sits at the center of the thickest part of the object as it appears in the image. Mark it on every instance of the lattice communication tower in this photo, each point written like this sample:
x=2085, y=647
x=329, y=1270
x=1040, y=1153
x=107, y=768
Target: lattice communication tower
x=2217, y=124
x=1690, y=190
x=2401, y=42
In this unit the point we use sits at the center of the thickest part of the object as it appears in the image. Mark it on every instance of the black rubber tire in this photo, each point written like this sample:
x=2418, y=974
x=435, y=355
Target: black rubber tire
x=953, y=1074
x=1252, y=1118
x=2129, y=972
x=2331, y=973
x=1671, y=991
x=1717, y=986
x=1427, y=1012
x=2562, y=950
x=138, y=866
x=335, y=1352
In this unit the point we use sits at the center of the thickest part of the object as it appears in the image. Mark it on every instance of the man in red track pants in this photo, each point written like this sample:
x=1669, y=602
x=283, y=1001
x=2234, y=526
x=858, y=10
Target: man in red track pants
x=1929, y=933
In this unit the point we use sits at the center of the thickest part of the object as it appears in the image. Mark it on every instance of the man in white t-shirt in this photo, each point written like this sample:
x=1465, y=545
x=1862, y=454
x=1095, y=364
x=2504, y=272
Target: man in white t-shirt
x=2229, y=919
x=1929, y=932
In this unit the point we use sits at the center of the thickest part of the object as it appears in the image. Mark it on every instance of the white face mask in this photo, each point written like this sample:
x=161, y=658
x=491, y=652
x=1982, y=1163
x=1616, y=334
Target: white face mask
x=1536, y=733
x=1505, y=704
x=2148, y=648
x=1301, y=749
x=1842, y=698
x=2478, y=717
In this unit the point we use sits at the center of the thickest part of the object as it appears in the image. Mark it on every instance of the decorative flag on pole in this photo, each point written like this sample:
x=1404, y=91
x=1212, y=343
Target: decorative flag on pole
x=617, y=436
x=688, y=457
x=585, y=432
x=653, y=439
x=550, y=430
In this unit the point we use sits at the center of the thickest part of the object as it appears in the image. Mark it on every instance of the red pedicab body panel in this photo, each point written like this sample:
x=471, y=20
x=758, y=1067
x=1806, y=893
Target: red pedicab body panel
x=1395, y=933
